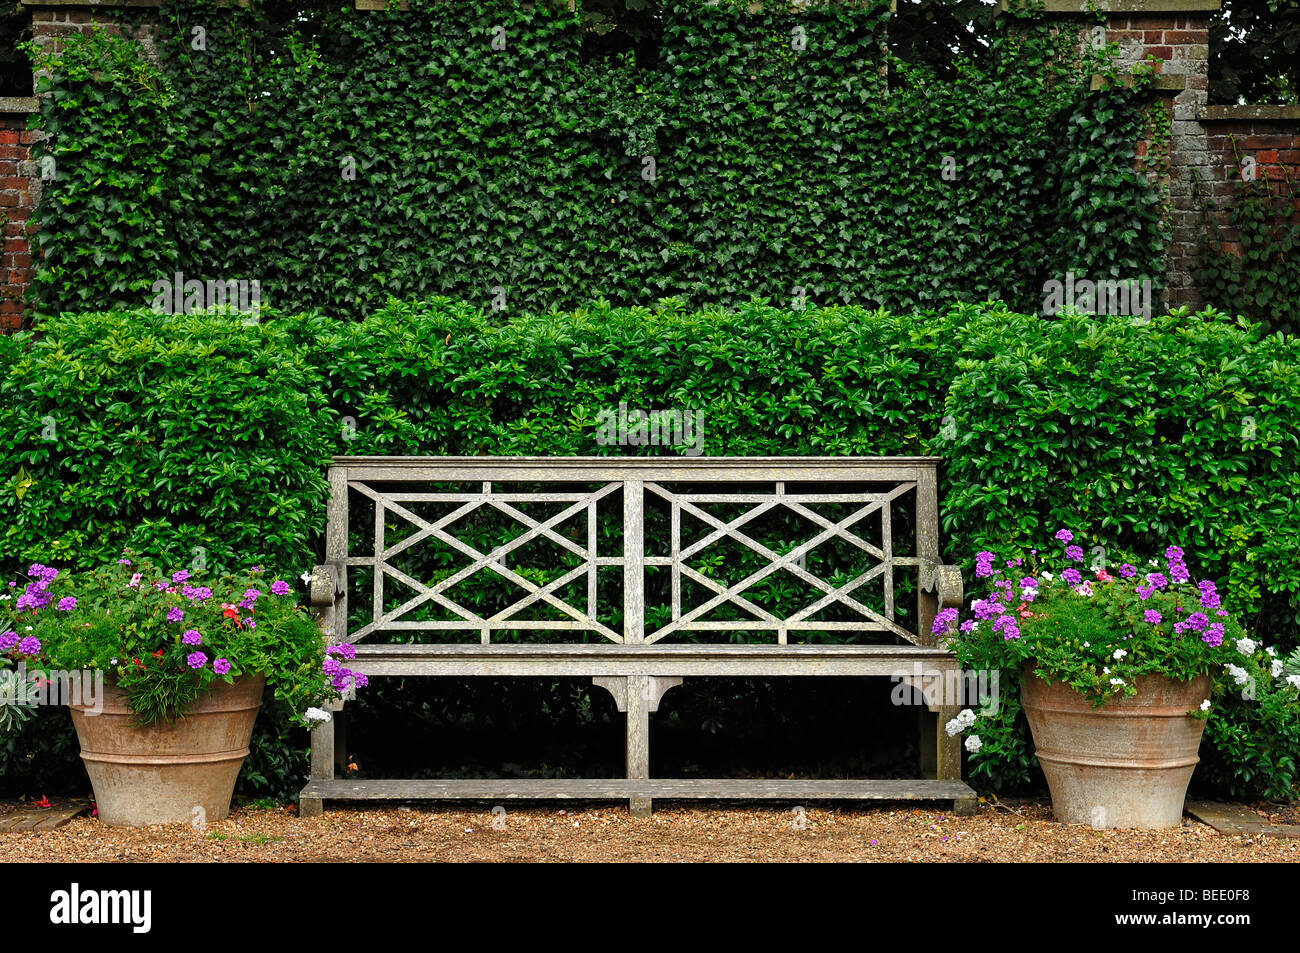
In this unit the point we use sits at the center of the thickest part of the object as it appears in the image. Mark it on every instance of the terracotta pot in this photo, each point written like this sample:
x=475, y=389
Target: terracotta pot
x=162, y=773
x=1126, y=764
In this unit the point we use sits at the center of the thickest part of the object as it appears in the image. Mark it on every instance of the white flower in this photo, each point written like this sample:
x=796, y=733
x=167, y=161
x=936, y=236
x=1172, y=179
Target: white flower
x=1119, y=654
x=316, y=715
x=1239, y=674
x=1276, y=668
x=1085, y=589
x=1047, y=576
x=28, y=629
x=1087, y=645
x=1271, y=651
x=112, y=661
x=966, y=717
x=1117, y=681
x=1105, y=671
x=1293, y=680
x=1205, y=705
x=953, y=728
x=305, y=577
x=974, y=744
x=1246, y=646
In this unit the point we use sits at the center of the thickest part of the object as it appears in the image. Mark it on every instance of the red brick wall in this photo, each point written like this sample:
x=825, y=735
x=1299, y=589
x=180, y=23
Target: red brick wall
x=19, y=190
x=1273, y=144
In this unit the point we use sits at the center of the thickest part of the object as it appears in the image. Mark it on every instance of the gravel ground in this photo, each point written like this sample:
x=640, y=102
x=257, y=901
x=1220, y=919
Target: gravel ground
x=1016, y=831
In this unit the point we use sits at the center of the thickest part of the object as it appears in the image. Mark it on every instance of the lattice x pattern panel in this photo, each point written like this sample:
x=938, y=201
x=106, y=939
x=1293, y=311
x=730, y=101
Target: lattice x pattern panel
x=628, y=550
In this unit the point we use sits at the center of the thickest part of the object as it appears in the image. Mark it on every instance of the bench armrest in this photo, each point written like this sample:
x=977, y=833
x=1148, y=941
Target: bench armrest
x=324, y=585
x=946, y=583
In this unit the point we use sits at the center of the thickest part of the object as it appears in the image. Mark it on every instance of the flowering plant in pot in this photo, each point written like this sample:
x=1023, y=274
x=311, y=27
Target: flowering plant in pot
x=164, y=674
x=1117, y=669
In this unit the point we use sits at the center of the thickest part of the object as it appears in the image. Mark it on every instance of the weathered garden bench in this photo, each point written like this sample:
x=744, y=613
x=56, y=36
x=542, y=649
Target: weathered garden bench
x=635, y=665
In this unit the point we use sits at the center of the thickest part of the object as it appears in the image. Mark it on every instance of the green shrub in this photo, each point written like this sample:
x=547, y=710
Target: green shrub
x=173, y=432
x=191, y=440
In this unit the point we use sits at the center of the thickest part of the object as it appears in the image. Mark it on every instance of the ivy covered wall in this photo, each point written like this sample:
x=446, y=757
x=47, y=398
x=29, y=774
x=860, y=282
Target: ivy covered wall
x=486, y=153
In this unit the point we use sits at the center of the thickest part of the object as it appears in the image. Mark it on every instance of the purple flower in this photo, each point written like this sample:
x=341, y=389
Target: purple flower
x=363, y=681
x=8, y=640
x=250, y=595
x=332, y=666
x=29, y=646
x=1213, y=634
x=201, y=594
x=1064, y=536
x=124, y=562
x=196, y=660
x=983, y=564
x=1220, y=611
x=983, y=609
x=1197, y=621
x=1127, y=571
x=192, y=637
x=967, y=626
x=343, y=649
x=160, y=585
x=1145, y=592
x=1178, y=572
x=1174, y=554
x=1152, y=616
x=1029, y=582
x=1209, y=600
x=1180, y=628
x=1156, y=580
x=1075, y=553
x=944, y=619
x=280, y=588
x=66, y=604
x=174, y=614
x=1206, y=585
x=180, y=576
x=221, y=666
x=1071, y=576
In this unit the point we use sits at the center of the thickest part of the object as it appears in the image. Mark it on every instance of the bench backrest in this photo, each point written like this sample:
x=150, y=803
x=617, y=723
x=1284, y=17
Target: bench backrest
x=622, y=489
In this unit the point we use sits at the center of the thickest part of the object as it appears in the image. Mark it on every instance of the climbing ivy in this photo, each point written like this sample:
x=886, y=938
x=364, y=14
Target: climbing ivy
x=484, y=153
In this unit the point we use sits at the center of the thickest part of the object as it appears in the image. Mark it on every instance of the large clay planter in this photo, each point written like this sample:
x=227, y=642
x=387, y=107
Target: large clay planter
x=161, y=773
x=1126, y=764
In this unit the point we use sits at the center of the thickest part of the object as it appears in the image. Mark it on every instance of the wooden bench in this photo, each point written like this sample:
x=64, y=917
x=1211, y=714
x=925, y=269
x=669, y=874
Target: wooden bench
x=635, y=665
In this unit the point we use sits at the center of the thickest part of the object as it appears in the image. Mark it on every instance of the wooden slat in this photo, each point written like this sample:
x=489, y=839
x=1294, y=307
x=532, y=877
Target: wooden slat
x=618, y=788
x=653, y=659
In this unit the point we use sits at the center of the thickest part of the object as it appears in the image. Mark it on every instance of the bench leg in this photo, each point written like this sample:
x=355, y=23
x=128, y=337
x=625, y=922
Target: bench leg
x=322, y=766
x=638, y=696
x=638, y=738
x=948, y=758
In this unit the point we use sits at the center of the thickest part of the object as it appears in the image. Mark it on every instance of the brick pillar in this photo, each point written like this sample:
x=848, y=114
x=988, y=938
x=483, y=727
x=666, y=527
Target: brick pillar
x=1176, y=34
x=19, y=193
x=20, y=174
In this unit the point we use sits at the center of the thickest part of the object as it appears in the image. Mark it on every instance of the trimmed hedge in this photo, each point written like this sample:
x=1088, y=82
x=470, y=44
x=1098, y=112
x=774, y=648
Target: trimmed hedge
x=175, y=432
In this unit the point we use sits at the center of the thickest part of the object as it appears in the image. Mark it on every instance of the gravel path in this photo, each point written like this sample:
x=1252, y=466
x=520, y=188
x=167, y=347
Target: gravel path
x=1016, y=831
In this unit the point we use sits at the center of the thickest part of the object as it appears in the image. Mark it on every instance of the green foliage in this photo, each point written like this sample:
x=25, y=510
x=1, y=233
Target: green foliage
x=1261, y=279
x=345, y=156
x=1252, y=742
x=1181, y=431
x=178, y=438
x=1178, y=431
